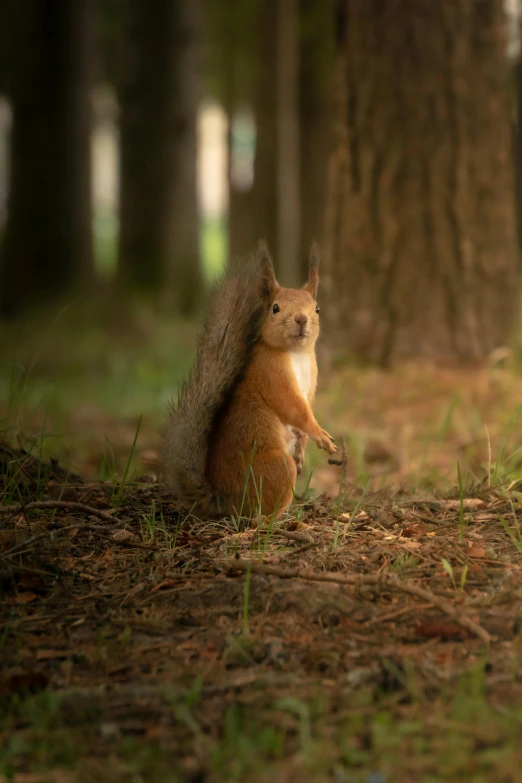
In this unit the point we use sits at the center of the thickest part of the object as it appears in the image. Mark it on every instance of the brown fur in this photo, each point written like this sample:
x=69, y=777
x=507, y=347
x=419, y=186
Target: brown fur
x=229, y=446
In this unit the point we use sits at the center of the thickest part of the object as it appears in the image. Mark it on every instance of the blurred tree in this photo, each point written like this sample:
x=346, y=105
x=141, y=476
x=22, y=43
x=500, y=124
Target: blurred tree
x=288, y=142
x=231, y=32
x=516, y=81
x=276, y=58
x=316, y=115
x=159, y=92
x=47, y=246
x=421, y=245
x=243, y=59
x=265, y=190
x=109, y=40
x=7, y=17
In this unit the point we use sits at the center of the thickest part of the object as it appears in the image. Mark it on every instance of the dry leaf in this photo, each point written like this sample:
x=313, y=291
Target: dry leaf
x=475, y=551
x=439, y=629
x=150, y=458
x=165, y=583
x=123, y=535
x=25, y=598
x=23, y=682
x=377, y=451
x=413, y=530
x=485, y=516
x=49, y=655
x=468, y=504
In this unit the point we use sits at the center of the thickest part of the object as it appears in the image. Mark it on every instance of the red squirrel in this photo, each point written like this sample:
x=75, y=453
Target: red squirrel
x=236, y=441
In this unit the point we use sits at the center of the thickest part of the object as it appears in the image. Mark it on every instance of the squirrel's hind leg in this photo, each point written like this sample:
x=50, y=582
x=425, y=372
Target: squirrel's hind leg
x=296, y=441
x=274, y=473
x=301, y=440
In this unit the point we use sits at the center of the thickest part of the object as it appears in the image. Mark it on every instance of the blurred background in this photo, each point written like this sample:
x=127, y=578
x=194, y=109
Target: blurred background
x=145, y=144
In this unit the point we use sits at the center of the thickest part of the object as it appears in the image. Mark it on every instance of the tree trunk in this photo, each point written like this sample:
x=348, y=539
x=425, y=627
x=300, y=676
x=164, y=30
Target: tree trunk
x=7, y=20
x=237, y=36
x=242, y=233
x=515, y=134
x=264, y=191
x=316, y=107
x=421, y=253
x=288, y=136
x=516, y=73
x=47, y=247
x=159, y=94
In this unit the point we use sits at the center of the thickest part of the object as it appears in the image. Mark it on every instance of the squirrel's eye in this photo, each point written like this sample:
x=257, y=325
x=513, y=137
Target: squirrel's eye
x=275, y=309
x=317, y=309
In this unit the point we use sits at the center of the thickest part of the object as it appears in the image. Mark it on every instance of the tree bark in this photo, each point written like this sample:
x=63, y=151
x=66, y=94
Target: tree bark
x=264, y=191
x=7, y=19
x=159, y=95
x=242, y=233
x=421, y=253
x=288, y=142
x=47, y=248
x=316, y=118
x=516, y=73
x=238, y=33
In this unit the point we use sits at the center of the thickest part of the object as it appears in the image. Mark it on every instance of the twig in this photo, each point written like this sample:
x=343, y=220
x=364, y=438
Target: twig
x=66, y=505
x=344, y=466
x=392, y=615
x=144, y=690
x=19, y=509
x=51, y=533
x=385, y=580
x=343, y=462
x=291, y=536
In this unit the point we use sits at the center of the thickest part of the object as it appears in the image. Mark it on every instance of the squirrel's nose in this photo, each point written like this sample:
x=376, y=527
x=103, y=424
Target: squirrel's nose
x=301, y=319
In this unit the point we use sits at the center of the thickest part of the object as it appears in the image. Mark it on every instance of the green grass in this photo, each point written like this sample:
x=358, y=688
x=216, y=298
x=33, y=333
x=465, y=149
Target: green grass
x=90, y=384
x=98, y=357
x=407, y=718
x=75, y=381
x=74, y=385
x=368, y=735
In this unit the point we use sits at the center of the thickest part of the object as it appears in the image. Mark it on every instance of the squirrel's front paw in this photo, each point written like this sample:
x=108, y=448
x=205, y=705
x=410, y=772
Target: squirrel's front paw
x=325, y=441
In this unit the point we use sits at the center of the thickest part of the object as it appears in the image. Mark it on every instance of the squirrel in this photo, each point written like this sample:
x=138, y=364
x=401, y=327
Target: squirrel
x=236, y=441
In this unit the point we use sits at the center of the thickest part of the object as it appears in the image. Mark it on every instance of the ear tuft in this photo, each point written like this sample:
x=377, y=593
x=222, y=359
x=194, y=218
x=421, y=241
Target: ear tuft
x=268, y=282
x=313, y=270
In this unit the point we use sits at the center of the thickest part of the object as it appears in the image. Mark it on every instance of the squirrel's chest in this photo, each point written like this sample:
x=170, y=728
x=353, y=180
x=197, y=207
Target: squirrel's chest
x=302, y=368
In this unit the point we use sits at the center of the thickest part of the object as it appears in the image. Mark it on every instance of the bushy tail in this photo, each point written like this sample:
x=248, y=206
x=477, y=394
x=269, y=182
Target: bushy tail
x=224, y=345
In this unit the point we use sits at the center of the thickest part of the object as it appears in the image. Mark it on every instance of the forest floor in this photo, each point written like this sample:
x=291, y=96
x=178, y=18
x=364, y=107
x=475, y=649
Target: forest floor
x=374, y=638
x=374, y=634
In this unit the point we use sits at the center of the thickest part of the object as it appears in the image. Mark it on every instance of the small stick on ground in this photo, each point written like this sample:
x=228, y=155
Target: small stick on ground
x=383, y=580
x=343, y=462
x=65, y=505
x=52, y=533
x=291, y=536
x=18, y=509
x=144, y=690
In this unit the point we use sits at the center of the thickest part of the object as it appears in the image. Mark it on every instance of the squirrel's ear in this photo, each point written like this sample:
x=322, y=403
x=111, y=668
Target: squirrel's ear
x=269, y=284
x=313, y=270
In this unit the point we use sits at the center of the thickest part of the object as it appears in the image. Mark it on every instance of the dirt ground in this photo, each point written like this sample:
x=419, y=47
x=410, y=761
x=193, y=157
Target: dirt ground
x=371, y=637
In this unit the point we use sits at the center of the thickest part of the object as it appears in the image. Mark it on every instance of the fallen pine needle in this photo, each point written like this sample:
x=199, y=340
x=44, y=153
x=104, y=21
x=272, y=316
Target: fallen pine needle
x=65, y=505
x=384, y=580
x=51, y=534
